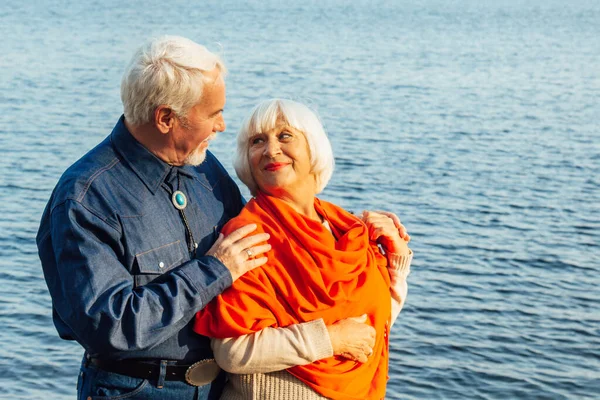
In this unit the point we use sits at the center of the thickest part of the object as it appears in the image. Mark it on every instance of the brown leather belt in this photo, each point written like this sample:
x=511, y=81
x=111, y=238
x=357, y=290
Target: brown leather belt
x=198, y=374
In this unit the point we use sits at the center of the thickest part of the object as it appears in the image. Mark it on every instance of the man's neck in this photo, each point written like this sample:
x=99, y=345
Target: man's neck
x=154, y=141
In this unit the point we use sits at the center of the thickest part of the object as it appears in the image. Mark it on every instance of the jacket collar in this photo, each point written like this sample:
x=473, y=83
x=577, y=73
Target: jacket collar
x=150, y=169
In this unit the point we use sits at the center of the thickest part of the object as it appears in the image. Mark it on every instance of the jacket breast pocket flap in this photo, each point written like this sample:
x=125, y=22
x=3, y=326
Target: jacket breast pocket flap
x=161, y=259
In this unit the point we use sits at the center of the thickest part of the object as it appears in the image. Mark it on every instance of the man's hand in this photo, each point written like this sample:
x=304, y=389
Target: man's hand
x=352, y=338
x=238, y=251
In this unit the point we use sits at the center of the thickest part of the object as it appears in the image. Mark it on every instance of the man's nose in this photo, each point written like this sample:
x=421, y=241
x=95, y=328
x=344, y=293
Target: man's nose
x=220, y=126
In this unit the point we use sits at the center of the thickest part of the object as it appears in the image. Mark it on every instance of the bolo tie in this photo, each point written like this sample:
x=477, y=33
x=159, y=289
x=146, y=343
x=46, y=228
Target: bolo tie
x=180, y=202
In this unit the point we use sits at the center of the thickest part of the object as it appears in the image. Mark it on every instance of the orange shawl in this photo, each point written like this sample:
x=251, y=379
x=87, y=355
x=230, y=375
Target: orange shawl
x=310, y=275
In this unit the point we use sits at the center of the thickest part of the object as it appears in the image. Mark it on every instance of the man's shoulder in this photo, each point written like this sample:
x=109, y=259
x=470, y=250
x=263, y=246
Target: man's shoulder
x=96, y=165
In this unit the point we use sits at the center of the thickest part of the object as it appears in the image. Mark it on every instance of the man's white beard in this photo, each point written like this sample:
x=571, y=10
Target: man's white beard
x=196, y=158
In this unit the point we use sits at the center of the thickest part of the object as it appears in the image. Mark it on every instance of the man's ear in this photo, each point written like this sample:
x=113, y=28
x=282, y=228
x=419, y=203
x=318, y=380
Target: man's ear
x=164, y=119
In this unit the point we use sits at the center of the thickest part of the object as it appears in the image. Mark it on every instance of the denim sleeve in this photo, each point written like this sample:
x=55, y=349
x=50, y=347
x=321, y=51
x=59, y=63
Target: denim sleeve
x=93, y=292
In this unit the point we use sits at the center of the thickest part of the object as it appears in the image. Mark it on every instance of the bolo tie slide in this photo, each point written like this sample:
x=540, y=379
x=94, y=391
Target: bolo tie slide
x=180, y=202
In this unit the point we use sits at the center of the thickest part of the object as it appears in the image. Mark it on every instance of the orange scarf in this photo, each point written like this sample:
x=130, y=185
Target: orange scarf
x=310, y=275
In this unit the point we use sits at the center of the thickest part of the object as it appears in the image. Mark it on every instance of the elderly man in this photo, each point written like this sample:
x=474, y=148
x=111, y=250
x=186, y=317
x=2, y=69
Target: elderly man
x=130, y=245
x=128, y=241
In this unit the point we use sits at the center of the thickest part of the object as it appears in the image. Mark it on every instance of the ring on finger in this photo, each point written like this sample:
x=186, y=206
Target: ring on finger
x=249, y=252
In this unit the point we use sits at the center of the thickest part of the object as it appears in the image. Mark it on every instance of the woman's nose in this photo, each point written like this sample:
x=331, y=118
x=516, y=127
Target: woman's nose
x=272, y=148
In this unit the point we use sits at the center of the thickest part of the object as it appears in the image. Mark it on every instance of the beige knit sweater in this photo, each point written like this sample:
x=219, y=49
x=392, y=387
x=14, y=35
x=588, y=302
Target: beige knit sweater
x=257, y=362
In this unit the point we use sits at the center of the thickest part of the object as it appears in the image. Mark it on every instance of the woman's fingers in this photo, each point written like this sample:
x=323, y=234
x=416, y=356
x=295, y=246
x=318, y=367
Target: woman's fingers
x=361, y=320
x=352, y=338
x=392, y=216
x=382, y=226
x=372, y=218
x=397, y=223
x=376, y=233
x=384, y=230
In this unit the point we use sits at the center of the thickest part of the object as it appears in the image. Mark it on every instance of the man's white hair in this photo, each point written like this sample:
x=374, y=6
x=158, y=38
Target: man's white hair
x=166, y=71
x=266, y=116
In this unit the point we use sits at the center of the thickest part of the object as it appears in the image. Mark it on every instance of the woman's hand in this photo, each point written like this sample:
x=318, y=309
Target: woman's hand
x=352, y=338
x=385, y=228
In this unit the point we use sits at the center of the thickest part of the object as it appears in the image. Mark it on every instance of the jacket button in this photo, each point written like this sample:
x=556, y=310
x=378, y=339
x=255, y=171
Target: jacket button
x=161, y=265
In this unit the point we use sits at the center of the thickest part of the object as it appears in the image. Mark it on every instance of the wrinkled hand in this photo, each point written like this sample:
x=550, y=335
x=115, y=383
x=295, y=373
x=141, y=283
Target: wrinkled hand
x=401, y=228
x=238, y=251
x=386, y=229
x=352, y=338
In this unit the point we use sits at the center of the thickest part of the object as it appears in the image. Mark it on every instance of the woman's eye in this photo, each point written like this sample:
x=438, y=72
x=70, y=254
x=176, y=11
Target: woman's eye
x=285, y=135
x=256, y=140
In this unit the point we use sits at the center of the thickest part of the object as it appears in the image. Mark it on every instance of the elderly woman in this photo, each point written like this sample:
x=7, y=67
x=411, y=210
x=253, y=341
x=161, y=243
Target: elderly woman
x=324, y=266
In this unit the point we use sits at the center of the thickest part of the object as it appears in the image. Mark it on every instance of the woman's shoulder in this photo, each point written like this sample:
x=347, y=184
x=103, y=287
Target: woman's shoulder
x=333, y=209
x=252, y=213
x=327, y=204
x=245, y=217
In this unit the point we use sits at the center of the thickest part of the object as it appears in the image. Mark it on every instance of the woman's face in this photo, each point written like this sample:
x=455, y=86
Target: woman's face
x=280, y=162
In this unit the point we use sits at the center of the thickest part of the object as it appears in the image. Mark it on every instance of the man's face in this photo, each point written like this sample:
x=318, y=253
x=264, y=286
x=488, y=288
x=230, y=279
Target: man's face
x=192, y=133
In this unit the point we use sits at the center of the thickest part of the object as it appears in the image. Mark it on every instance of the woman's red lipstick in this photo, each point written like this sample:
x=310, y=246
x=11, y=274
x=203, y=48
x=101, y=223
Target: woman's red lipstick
x=275, y=166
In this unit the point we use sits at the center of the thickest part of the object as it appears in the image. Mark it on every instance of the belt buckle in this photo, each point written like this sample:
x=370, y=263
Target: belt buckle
x=202, y=373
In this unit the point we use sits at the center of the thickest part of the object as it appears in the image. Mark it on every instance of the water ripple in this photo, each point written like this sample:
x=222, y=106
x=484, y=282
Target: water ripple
x=476, y=122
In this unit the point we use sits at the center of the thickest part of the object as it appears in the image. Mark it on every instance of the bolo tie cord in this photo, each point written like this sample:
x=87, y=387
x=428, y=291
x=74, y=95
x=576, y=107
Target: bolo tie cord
x=189, y=235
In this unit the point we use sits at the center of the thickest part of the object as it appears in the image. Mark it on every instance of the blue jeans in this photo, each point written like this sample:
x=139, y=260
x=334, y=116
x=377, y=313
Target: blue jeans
x=97, y=384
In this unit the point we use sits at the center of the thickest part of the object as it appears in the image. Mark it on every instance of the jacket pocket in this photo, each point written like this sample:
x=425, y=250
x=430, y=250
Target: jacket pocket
x=160, y=259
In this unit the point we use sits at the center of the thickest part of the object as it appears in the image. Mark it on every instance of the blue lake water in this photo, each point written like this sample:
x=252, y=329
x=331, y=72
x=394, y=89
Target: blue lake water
x=475, y=121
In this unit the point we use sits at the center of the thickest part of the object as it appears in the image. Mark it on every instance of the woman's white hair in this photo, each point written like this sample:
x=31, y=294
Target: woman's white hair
x=166, y=71
x=268, y=115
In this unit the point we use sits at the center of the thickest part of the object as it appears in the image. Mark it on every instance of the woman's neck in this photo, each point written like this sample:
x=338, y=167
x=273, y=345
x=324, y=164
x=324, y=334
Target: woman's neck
x=302, y=204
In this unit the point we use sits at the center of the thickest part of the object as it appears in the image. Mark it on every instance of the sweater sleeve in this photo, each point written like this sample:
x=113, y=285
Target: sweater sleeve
x=399, y=268
x=274, y=349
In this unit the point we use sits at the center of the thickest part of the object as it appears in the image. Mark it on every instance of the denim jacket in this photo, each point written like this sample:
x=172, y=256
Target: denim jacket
x=114, y=250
